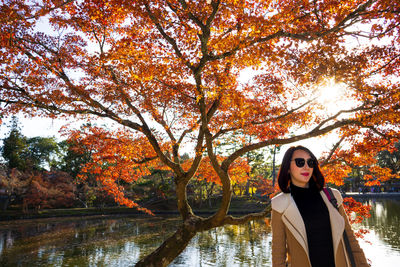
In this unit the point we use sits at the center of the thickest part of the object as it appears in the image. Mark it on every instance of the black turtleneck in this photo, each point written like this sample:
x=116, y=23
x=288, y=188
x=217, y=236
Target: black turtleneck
x=318, y=227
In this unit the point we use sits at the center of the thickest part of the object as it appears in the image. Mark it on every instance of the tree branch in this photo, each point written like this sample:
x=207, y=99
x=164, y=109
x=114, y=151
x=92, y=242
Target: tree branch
x=332, y=151
x=169, y=39
x=249, y=217
x=313, y=133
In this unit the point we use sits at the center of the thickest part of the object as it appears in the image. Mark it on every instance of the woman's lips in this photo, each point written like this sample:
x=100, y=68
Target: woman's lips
x=305, y=173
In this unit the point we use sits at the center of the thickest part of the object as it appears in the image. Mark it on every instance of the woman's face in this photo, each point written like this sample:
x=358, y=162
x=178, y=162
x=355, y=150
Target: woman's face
x=300, y=175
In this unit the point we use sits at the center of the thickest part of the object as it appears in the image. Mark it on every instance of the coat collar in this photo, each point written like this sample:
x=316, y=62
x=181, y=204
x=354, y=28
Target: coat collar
x=291, y=217
x=337, y=221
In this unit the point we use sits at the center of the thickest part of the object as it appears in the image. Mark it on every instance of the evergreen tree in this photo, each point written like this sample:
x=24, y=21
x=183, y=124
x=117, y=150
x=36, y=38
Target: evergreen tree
x=72, y=161
x=28, y=153
x=43, y=152
x=15, y=148
x=391, y=160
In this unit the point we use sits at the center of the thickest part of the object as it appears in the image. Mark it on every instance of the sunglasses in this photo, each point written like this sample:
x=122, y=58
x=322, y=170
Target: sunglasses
x=300, y=162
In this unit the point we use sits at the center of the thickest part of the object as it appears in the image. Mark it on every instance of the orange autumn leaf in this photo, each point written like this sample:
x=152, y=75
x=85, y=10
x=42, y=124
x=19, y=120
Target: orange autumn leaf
x=171, y=78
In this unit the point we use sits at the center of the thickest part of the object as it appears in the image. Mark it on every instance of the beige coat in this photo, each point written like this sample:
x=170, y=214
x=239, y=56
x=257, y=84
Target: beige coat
x=289, y=237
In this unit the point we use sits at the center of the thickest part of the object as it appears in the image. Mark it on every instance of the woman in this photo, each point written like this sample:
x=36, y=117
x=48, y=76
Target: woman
x=307, y=230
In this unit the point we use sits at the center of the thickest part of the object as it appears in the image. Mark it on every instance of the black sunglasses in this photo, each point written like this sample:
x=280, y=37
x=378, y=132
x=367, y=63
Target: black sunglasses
x=310, y=162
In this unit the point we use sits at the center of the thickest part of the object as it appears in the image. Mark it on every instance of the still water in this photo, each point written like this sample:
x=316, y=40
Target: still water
x=382, y=244
x=121, y=241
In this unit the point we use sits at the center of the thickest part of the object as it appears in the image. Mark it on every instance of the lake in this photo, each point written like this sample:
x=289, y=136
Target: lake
x=122, y=240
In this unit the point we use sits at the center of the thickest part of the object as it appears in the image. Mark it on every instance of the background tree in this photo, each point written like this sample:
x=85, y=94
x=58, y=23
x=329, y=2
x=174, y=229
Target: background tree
x=16, y=184
x=390, y=159
x=44, y=152
x=24, y=153
x=71, y=161
x=167, y=74
x=37, y=190
x=15, y=149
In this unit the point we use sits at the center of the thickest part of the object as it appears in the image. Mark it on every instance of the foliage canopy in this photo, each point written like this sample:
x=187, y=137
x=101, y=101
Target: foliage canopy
x=168, y=72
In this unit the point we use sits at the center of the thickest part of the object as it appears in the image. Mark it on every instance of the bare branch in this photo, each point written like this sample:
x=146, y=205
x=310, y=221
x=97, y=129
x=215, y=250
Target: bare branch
x=169, y=39
x=305, y=36
x=249, y=217
x=384, y=65
x=334, y=148
x=276, y=141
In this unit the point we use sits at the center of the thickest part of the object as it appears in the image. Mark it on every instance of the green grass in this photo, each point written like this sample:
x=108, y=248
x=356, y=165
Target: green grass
x=46, y=213
x=238, y=205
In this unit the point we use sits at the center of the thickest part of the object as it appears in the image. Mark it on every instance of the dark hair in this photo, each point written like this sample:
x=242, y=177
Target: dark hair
x=284, y=178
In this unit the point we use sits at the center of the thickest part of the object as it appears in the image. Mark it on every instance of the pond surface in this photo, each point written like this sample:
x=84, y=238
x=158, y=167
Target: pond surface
x=121, y=241
x=382, y=244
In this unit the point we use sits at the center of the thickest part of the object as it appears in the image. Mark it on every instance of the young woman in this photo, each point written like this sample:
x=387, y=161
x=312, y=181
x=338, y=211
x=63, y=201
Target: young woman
x=307, y=230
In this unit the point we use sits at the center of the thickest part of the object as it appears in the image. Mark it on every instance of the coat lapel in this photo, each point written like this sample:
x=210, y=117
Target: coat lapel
x=337, y=222
x=291, y=217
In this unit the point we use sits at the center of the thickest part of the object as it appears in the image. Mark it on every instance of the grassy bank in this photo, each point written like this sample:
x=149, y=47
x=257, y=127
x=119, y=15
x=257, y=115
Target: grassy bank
x=48, y=213
x=238, y=206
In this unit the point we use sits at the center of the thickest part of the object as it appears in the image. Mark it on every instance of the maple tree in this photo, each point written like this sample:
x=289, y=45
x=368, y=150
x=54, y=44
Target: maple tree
x=28, y=153
x=15, y=183
x=49, y=190
x=168, y=74
x=15, y=150
x=390, y=159
x=38, y=190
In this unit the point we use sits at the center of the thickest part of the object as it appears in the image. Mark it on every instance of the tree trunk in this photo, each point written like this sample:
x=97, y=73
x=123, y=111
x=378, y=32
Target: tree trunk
x=4, y=200
x=209, y=194
x=175, y=244
x=247, y=190
x=201, y=195
x=171, y=248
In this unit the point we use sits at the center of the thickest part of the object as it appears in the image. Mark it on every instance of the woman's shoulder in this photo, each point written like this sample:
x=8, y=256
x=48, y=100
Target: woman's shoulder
x=280, y=202
x=337, y=195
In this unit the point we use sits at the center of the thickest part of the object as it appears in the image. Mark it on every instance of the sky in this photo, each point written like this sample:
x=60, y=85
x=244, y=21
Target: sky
x=45, y=127
x=330, y=95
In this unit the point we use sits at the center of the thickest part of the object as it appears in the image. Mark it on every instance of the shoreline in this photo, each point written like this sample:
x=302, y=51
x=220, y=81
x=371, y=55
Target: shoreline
x=238, y=207
x=13, y=215
x=357, y=195
x=46, y=214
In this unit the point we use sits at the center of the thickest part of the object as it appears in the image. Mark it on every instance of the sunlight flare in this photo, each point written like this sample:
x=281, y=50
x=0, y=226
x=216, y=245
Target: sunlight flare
x=330, y=92
x=334, y=96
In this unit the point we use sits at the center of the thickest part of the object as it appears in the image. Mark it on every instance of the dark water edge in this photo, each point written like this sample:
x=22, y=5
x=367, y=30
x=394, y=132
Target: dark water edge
x=121, y=240
x=239, y=206
x=93, y=241
x=364, y=196
x=382, y=243
x=14, y=216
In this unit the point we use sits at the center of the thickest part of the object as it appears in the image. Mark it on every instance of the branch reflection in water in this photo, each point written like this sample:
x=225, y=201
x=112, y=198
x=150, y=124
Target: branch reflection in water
x=382, y=243
x=121, y=241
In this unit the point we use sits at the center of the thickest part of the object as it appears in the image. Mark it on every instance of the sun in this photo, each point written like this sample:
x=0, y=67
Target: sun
x=329, y=91
x=334, y=96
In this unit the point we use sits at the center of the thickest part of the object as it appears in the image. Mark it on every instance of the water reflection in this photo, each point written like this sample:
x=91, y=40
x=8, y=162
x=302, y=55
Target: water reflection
x=95, y=242
x=382, y=243
x=385, y=221
x=244, y=245
x=121, y=241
